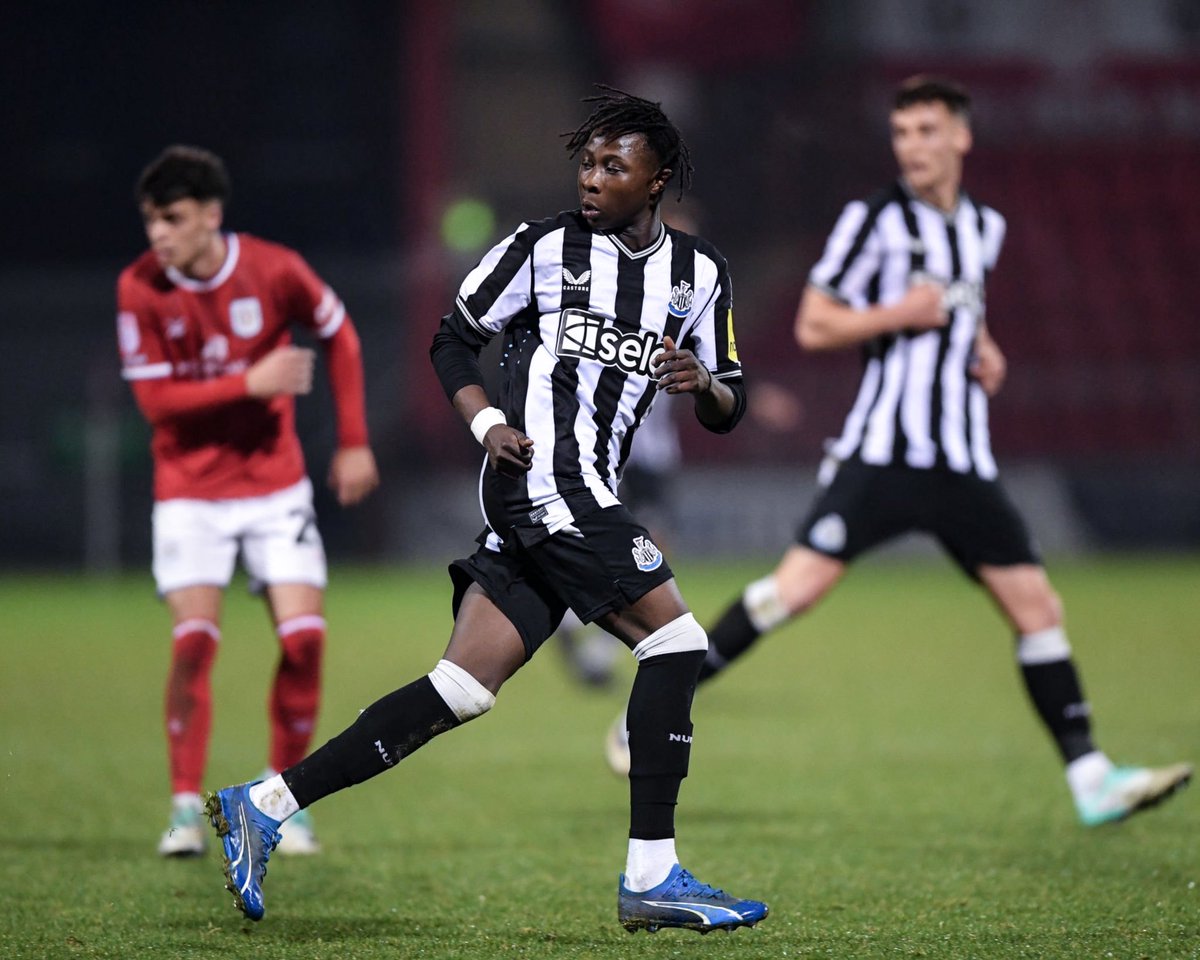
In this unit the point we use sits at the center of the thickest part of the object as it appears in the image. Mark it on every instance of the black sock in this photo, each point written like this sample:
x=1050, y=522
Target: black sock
x=385, y=733
x=1057, y=695
x=733, y=635
x=660, y=740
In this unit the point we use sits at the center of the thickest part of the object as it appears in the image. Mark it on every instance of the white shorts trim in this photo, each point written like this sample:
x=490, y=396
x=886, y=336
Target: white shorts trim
x=197, y=542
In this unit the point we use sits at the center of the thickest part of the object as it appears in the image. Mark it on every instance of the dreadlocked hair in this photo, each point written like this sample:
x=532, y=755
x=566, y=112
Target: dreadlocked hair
x=617, y=113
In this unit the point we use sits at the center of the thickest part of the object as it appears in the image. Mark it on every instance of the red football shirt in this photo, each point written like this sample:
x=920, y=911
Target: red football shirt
x=186, y=345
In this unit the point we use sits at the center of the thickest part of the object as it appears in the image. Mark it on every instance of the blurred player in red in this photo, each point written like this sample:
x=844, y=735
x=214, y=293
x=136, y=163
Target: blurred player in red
x=204, y=333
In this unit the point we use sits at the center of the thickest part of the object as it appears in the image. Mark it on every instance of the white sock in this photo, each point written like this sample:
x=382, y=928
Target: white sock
x=273, y=798
x=187, y=801
x=1086, y=773
x=648, y=863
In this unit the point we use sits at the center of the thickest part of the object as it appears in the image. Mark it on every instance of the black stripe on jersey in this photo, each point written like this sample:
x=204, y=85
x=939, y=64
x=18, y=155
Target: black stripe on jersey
x=577, y=260
x=916, y=257
x=935, y=401
x=916, y=264
x=980, y=224
x=521, y=341
x=631, y=284
x=876, y=346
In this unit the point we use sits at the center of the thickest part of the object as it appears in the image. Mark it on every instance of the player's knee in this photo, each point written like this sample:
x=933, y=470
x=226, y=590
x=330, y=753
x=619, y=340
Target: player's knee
x=302, y=639
x=681, y=635
x=466, y=697
x=193, y=645
x=1043, y=646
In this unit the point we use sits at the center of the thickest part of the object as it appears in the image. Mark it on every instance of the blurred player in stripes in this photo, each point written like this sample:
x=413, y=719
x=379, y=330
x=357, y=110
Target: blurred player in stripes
x=902, y=278
x=203, y=327
x=598, y=310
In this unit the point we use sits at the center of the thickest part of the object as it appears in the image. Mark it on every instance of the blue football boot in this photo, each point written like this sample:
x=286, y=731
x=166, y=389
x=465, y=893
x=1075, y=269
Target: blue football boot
x=248, y=836
x=683, y=901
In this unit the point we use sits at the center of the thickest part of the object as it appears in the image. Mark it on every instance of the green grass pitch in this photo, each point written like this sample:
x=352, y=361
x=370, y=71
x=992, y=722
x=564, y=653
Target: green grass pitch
x=872, y=771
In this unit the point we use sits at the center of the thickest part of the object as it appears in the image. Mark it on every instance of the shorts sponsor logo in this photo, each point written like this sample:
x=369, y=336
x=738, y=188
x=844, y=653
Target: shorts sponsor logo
x=829, y=533
x=681, y=299
x=646, y=555
x=590, y=336
x=246, y=317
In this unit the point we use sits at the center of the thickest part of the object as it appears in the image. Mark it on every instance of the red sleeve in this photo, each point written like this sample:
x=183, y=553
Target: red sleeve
x=310, y=300
x=343, y=355
x=161, y=400
x=139, y=337
x=314, y=303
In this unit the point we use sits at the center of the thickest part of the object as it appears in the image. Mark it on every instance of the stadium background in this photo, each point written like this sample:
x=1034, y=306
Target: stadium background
x=355, y=131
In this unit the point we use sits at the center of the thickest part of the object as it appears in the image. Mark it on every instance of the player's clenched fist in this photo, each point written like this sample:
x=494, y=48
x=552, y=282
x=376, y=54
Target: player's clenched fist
x=285, y=370
x=510, y=452
x=923, y=306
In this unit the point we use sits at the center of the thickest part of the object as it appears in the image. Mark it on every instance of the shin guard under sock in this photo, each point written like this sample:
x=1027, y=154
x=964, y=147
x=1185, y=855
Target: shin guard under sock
x=660, y=740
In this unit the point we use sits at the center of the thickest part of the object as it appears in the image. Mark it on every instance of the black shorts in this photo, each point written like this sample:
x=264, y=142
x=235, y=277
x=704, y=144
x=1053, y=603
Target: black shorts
x=609, y=565
x=865, y=506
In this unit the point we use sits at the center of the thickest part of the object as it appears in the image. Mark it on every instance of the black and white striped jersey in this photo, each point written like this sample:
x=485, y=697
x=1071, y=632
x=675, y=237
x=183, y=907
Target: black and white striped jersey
x=917, y=404
x=581, y=317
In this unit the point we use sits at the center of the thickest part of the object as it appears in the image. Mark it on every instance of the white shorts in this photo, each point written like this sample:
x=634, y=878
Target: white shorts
x=196, y=542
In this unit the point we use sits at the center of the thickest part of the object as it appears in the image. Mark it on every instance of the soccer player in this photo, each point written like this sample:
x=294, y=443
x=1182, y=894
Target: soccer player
x=204, y=333
x=902, y=277
x=599, y=309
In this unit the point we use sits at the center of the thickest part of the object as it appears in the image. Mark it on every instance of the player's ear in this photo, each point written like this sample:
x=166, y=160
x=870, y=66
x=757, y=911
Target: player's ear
x=214, y=214
x=659, y=183
x=963, y=138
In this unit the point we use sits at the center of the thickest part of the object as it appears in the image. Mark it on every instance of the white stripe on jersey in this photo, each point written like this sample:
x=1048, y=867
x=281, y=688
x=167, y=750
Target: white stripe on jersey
x=329, y=314
x=913, y=379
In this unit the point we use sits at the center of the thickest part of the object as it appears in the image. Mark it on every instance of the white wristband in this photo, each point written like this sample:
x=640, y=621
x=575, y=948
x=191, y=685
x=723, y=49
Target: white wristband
x=484, y=420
